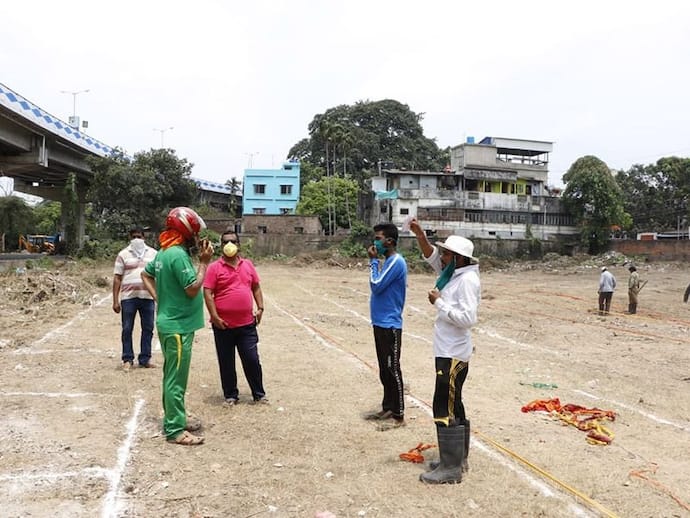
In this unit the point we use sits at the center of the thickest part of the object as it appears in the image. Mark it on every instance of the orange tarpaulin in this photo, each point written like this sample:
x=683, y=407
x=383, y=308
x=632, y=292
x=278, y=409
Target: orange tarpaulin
x=582, y=418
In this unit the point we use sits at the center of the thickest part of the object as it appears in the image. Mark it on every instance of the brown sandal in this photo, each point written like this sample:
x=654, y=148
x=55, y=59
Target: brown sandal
x=187, y=439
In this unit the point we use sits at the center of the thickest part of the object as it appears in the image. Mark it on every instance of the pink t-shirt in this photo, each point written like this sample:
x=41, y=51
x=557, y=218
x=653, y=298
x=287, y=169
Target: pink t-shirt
x=232, y=290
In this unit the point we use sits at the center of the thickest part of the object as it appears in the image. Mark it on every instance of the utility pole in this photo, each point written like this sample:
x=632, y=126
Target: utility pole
x=74, y=122
x=162, y=132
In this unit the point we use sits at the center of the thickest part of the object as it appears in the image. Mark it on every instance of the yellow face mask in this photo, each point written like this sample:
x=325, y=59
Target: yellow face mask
x=230, y=250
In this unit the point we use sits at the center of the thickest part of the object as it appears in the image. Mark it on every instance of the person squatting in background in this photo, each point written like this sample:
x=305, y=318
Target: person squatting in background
x=607, y=285
x=456, y=297
x=388, y=282
x=176, y=287
x=131, y=297
x=231, y=288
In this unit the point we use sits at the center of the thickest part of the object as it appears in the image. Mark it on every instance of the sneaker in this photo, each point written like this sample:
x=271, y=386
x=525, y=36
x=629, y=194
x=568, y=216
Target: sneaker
x=262, y=401
x=149, y=365
x=126, y=366
x=231, y=401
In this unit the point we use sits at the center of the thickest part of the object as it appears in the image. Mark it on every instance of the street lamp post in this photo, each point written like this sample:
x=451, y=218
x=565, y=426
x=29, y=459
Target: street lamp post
x=162, y=131
x=74, y=99
x=74, y=122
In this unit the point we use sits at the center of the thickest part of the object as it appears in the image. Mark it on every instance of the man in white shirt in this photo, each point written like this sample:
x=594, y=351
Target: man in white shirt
x=130, y=296
x=607, y=285
x=456, y=297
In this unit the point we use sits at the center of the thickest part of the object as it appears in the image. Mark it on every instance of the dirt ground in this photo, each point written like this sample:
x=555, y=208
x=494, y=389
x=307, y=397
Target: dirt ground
x=83, y=438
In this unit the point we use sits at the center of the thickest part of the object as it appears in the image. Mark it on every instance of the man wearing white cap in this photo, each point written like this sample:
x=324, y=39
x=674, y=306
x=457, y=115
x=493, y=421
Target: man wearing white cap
x=456, y=297
x=607, y=284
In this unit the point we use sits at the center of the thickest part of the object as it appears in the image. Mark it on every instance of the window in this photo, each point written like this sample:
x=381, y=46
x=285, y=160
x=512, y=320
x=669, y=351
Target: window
x=404, y=211
x=285, y=210
x=299, y=230
x=286, y=189
x=262, y=229
x=259, y=188
x=259, y=210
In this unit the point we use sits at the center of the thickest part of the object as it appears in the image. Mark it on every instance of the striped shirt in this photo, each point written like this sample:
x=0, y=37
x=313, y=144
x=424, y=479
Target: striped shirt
x=129, y=266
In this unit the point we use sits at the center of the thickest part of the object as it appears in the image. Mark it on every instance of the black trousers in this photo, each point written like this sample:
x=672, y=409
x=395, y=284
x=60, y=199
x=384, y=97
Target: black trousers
x=246, y=340
x=388, y=343
x=450, y=377
x=605, y=301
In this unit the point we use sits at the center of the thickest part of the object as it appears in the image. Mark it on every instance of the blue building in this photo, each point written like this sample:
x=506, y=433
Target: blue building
x=271, y=191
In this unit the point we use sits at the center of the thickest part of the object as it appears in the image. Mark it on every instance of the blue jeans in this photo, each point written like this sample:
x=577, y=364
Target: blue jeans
x=146, y=308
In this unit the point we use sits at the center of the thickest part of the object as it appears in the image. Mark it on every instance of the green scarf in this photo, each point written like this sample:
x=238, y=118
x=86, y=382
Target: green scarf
x=445, y=276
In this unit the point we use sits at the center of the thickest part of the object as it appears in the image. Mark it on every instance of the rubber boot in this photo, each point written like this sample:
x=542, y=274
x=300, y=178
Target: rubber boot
x=633, y=309
x=465, y=466
x=630, y=309
x=451, y=445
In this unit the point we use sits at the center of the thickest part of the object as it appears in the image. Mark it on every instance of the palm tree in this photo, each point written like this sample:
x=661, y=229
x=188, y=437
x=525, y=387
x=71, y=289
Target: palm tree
x=235, y=187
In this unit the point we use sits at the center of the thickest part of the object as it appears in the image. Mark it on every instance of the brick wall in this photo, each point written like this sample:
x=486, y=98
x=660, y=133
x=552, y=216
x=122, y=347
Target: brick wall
x=663, y=250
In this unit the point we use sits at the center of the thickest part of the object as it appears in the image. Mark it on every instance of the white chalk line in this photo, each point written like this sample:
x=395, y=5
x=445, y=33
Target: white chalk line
x=544, y=488
x=660, y=420
x=362, y=317
x=653, y=417
x=511, y=341
x=112, y=503
x=80, y=316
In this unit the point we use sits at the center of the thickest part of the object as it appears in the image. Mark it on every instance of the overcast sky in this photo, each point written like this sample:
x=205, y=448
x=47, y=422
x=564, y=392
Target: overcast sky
x=240, y=81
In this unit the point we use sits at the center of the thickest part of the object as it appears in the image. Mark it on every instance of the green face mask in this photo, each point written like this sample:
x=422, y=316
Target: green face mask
x=380, y=249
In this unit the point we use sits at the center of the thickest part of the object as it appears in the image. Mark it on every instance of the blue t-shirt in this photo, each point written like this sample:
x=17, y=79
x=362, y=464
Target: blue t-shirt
x=388, y=283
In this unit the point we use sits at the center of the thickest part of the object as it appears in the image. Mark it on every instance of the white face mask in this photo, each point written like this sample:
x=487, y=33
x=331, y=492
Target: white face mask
x=138, y=246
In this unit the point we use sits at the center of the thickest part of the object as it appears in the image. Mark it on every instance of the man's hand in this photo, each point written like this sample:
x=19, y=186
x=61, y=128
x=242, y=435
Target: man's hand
x=116, y=306
x=218, y=322
x=415, y=227
x=433, y=295
x=373, y=254
x=205, y=251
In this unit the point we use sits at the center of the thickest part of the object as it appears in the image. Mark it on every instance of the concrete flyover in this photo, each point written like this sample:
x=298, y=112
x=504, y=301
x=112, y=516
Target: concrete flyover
x=39, y=151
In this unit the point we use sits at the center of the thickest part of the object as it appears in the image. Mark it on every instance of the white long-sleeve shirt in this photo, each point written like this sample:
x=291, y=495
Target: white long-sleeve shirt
x=607, y=282
x=458, y=308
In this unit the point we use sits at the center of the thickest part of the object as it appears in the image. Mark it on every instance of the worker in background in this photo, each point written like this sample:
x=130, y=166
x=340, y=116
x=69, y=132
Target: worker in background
x=607, y=285
x=633, y=289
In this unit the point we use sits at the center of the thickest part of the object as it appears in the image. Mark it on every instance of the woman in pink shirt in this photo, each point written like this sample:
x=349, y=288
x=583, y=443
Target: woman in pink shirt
x=231, y=287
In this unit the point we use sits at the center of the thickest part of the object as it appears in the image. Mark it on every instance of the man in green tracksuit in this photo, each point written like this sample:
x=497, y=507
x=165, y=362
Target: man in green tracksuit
x=175, y=285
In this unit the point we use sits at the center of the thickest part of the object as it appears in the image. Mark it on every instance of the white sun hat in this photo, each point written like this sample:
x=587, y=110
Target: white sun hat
x=459, y=245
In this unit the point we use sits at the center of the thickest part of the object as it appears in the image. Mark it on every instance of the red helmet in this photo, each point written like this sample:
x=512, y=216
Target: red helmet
x=185, y=221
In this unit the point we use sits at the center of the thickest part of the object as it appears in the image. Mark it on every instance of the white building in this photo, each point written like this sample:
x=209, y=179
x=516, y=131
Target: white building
x=496, y=188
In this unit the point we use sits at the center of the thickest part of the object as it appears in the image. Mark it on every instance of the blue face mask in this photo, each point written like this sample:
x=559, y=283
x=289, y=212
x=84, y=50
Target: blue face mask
x=380, y=249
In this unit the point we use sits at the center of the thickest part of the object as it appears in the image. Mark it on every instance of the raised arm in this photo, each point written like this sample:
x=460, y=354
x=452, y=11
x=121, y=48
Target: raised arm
x=424, y=244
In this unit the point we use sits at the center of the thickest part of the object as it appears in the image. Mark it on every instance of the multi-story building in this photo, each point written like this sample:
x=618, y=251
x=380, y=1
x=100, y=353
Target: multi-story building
x=271, y=191
x=496, y=188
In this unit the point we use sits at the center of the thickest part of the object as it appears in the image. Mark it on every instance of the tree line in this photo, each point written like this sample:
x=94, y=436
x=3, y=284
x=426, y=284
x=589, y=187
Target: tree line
x=347, y=145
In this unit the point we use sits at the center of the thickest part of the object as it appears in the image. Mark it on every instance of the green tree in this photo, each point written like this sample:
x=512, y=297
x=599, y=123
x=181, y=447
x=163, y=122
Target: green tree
x=339, y=194
x=47, y=217
x=16, y=217
x=350, y=140
x=139, y=191
x=594, y=199
x=656, y=195
x=235, y=187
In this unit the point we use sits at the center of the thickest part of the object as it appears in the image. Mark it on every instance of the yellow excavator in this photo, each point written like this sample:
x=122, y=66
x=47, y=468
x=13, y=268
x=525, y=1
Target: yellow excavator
x=38, y=243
